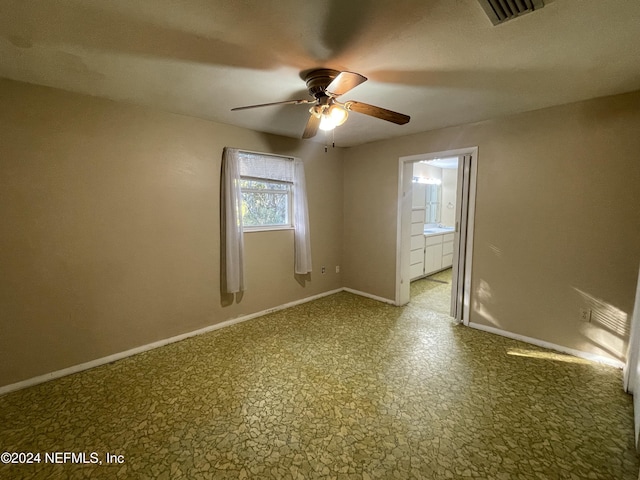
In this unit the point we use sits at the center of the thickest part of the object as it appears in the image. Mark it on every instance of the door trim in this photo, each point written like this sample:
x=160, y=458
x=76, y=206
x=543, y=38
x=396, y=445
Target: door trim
x=405, y=169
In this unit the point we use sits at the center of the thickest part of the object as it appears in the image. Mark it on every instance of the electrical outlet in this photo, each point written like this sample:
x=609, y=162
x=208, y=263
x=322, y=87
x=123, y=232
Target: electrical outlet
x=337, y=268
x=324, y=270
x=585, y=314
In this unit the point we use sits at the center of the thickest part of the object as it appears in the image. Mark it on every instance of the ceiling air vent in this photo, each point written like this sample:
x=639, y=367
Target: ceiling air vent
x=499, y=11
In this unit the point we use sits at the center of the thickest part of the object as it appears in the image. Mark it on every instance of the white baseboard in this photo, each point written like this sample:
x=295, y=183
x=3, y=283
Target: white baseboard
x=368, y=295
x=551, y=346
x=128, y=353
x=160, y=343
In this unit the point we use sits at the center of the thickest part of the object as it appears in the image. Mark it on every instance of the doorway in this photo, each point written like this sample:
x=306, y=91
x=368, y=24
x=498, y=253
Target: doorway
x=433, y=212
x=422, y=196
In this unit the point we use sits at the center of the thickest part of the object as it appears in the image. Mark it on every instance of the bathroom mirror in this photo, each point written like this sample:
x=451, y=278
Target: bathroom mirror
x=432, y=210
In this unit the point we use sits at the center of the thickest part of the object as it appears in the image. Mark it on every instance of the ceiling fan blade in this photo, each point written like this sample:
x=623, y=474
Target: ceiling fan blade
x=344, y=82
x=286, y=102
x=312, y=127
x=378, y=112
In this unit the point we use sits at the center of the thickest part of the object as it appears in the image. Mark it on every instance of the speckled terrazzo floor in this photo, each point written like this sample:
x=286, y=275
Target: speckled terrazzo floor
x=339, y=388
x=434, y=291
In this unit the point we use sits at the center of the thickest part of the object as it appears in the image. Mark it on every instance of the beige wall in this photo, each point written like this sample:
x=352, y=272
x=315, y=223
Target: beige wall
x=110, y=236
x=557, y=219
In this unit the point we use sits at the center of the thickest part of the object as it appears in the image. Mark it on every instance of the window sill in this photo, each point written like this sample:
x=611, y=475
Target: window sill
x=269, y=228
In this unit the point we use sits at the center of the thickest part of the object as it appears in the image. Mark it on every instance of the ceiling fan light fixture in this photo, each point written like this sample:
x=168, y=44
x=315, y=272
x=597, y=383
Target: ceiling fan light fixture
x=327, y=123
x=316, y=111
x=332, y=117
x=338, y=114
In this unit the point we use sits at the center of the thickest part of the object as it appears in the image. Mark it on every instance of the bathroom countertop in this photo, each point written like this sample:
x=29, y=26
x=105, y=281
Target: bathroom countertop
x=437, y=231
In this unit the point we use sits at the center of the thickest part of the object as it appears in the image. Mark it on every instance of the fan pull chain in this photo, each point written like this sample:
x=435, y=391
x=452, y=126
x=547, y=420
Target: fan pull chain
x=326, y=140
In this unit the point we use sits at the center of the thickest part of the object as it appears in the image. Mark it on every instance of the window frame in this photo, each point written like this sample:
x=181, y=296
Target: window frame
x=288, y=192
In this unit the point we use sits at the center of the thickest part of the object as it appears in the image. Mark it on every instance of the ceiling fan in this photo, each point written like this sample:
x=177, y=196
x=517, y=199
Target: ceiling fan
x=326, y=85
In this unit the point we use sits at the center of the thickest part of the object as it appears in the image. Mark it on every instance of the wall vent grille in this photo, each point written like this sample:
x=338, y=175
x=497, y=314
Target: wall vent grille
x=500, y=11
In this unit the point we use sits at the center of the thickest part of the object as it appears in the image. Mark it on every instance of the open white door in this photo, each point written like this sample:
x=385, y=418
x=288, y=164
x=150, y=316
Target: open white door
x=460, y=240
x=463, y=242
x=632, y=367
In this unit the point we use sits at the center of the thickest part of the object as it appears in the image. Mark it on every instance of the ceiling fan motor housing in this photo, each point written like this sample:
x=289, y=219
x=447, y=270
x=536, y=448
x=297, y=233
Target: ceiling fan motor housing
x=318, y=81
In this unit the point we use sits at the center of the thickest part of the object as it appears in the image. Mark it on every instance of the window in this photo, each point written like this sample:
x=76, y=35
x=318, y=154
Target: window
x=266, y=184
x=266, y=192
x=265, y=203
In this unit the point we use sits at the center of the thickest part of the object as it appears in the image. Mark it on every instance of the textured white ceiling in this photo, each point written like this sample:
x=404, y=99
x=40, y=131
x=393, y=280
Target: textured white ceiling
x=440, y=61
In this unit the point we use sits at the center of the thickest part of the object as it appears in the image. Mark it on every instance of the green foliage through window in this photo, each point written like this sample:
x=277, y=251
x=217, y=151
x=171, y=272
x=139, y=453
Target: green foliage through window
x=265, y=203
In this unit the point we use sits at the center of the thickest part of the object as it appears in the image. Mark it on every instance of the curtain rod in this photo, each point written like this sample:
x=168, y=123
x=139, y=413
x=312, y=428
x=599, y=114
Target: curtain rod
x=267, y=154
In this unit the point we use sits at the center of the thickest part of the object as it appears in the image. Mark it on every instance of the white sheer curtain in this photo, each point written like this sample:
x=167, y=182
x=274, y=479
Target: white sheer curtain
x=302, y=236
x=268, y=167
x=232, y=222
